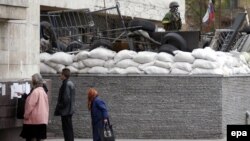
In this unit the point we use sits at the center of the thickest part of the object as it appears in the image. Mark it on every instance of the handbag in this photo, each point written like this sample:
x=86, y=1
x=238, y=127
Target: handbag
x=107, y=132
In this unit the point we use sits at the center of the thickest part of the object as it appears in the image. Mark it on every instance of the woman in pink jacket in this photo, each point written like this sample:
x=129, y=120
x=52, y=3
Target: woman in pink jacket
x=36, y=113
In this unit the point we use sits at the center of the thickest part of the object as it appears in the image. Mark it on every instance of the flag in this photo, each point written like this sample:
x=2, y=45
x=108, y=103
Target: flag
x=209, y=16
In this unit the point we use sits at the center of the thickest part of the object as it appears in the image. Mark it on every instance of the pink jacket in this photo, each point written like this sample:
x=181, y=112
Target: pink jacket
x=37, y=107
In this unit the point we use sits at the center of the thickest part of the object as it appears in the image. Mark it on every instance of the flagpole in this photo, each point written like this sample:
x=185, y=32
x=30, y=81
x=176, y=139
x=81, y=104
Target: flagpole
x=200, y=17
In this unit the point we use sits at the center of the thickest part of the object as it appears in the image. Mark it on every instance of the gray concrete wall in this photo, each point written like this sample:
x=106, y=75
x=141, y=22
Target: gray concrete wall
x=163, y=107
x=19, y=42
x=236, y=100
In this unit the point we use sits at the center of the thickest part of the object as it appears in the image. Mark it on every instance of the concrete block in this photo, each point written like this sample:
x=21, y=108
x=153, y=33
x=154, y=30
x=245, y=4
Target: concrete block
x=12, y=13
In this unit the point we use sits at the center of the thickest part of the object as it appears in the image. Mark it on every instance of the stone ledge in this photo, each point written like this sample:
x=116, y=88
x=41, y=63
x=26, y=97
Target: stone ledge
x=12, y=12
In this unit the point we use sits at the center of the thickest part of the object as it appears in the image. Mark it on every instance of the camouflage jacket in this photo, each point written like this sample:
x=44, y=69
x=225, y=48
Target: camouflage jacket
x=172, y=21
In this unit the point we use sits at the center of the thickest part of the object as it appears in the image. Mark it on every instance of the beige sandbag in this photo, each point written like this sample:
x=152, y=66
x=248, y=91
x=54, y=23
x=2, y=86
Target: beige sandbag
x=165, y=57
x=117, y=70
x=46, y=69
x=62, y=58
x=90, y=62
x=179, y=71
x=155, y=70
x=182, y=56
x=57, y=67
x=124, y=54
x=44, y=56
x=84, y=70
x=102, y=53
x=81, y=56
x=99, y=70
x=144, y=57
x=126, y=63
x=72, y=69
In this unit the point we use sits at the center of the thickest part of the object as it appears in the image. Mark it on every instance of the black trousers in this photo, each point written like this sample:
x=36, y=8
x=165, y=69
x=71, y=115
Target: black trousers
x=67, y=128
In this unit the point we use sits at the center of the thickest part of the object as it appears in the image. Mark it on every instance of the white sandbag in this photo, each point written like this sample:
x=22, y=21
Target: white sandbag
x=205, y=64
x=100, y=70
x=44, y=56
x=183, y=66
x=206, y=54
x=124, y=54
x=184, y=57
x=162, y=64
x=57, y=67
x=117, y=70
x=233, y=62
x=102, y=53
x=164, y=57
x=246, y=56
x=109, y=64
x=142, y=66
x=126, y=63
x=178, y=71
x=72, y=69
x=155, y=70
x=207, y=71
x=46, y=69
x=62, y=58
x=81, y=56
x=84, y=70
x=78, y=65
x=240, y=70
x=90, y=62
x=144, y=57
x=133, y=70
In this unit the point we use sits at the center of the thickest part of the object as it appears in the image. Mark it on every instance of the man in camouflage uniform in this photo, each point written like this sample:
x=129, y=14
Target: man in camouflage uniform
x=172, y=20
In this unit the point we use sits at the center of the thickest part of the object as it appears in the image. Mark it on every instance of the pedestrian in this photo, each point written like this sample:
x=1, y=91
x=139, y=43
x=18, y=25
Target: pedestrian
x=99, y=113
x=36, y=113
x=172, y=20
x=65, y=105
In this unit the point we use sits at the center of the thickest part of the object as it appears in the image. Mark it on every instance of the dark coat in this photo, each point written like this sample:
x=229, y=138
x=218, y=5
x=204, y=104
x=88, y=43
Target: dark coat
x=98, y=114
x=66, y=99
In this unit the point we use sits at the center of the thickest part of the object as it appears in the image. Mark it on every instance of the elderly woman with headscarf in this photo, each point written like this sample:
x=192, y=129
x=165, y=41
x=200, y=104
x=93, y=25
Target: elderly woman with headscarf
x=99, y=114
x=36, y=113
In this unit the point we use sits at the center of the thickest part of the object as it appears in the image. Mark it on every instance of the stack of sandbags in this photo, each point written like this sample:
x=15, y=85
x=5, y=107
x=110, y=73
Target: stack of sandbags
x=44, y=68
x=99, y=60
x=124, y=63
x=182, y=63
x=207, y=62
x=149, y=64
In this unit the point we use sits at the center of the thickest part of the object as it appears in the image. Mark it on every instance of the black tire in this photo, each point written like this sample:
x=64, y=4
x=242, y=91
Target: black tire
x=176, y=40
x=145, y=25
x=101, y=42
x=75, y=46
x=168, y=49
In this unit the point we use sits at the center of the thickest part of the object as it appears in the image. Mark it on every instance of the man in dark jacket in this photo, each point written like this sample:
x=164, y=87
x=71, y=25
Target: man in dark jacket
x=65, y=105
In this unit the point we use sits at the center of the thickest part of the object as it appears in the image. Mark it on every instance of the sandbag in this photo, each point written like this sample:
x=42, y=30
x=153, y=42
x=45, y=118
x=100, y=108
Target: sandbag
x=57, y=67
x=166, y=57
x=127, y=63
x=81, y=56
x=98, y=69
x=184, y=57
x=183, y=66
x=206, y=54
x=207, y=71
x=72, y=69
x=46, y=69
x=179, y=71
x=133, y=70
x=102, y=53
x=62, y=58
x=155, y=70
x=44, y=56
x=145, y=57
x=117, y=70
x=93, y=62
x=124, y=54
x=78, y=65
x=205, y=64
x=162, y=64
x=109, y=64
x=84, y=70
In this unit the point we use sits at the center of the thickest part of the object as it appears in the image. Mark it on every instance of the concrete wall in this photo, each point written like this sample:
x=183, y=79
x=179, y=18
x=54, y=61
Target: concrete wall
x=19, y=43
x=166, y=107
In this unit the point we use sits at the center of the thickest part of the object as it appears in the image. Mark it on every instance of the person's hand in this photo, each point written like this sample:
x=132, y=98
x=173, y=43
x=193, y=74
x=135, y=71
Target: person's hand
x=105, y=121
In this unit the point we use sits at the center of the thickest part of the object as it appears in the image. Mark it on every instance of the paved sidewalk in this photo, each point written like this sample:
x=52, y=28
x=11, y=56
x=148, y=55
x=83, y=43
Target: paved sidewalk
x=142, y=140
